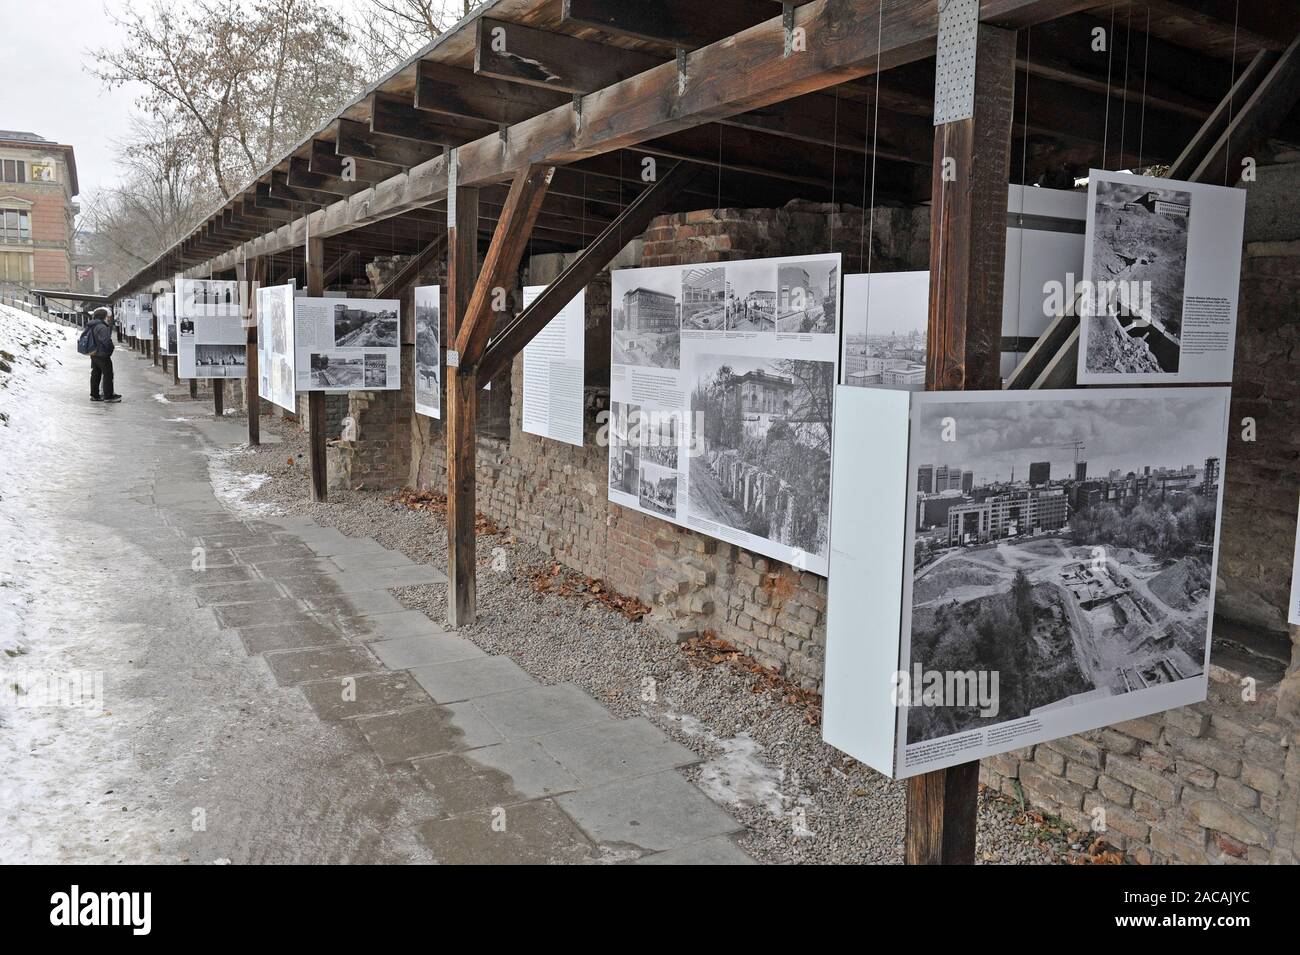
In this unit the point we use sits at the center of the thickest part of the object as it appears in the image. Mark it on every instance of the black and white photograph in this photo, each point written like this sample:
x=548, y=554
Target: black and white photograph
x=645, y=317
x=376, y=370
x=657, y=489
x=807, y=296
x=362, y=324
x=886, y=315
x=337, y=373
x=659, y=433
x=186, y=326
x=751, y=296
x=1067, y=546
x=765, y=447
x=624, y=450
x=704, y=298
x=428, y=353
x=1134, y=309
x=220, y=361
x=167, y=337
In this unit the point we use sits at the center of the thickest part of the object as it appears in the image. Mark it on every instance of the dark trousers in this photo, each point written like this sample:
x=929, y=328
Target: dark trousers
x=101, y=368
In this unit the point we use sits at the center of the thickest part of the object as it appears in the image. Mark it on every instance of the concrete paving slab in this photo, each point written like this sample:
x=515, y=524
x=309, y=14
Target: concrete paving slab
x=345, y=545
x=284, y=570
x=382, y=578
x=291, y=667
x=223, y=575
x=468, y=679
x=371, y=694
x=390, y=558
x=603, y=752
x=719, y=850
x=536, y=833
x=239, y=592
x=532, y=772
x=426, y=731
x=362, y=603
x=546, y=709
x=282, y=612
x=264, y=552
x=307, y=633
x=314, y=585
x=391, y=626
x=658, y=812
x=402, y=653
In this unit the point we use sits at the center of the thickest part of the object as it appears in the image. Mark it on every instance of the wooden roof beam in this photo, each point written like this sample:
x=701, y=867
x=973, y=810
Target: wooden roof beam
x=688, y=24
x=325, y=161
x=481, y=99
x=555, y=61
x=393, y=115
x=357, y=141
x=300, y=175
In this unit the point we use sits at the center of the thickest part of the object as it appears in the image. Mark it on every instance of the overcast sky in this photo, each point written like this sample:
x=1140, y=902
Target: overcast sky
x=45, y=89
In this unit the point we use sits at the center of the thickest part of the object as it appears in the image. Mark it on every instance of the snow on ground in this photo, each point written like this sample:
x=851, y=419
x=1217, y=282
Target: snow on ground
x=233, y=488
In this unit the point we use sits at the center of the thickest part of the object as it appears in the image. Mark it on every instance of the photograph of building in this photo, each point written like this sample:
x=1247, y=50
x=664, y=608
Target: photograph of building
x=704, y=299
x=765, y=465
x=428, y=350
x=751, y=296
x=807, y=298
x=885, y=320
x=1070, y=588
x=646, y=320
x=38, y=183
x=362, y=324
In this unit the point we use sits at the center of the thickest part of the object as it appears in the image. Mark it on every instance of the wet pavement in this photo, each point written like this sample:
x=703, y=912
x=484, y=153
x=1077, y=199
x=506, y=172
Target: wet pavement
x=265, y=697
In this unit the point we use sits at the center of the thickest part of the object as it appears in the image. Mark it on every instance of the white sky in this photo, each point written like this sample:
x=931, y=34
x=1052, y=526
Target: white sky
x=44, y=88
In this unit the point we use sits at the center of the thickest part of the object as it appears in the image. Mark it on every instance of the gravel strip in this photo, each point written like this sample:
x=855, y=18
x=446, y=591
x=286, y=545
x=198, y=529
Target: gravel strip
x=800, y=800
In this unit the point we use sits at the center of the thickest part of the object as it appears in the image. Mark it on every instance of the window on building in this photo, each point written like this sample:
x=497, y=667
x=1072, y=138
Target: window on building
x=15, y=225
x=13, y=170
x=16, y=267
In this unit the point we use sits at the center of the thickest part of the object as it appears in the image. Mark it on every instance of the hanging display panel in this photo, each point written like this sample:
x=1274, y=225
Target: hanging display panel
x=275, y=346
x=886, y=315
x=721, y=387
x=428, y=350
x=347, y=344
x=210, y=334
x=553, y=372
x=164, y=310
x=1161, y=277
x=1015, y=567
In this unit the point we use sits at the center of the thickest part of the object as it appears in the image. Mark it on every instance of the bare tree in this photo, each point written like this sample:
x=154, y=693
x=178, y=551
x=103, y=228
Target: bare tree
x=391, y=31
x=155, y=205
x=238, y=79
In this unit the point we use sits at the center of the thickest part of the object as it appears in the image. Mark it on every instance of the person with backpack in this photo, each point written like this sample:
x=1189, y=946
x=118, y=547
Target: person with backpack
x=97, y=341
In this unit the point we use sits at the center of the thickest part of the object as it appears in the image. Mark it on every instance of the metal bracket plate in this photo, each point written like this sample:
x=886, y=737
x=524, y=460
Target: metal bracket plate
x=954, y=72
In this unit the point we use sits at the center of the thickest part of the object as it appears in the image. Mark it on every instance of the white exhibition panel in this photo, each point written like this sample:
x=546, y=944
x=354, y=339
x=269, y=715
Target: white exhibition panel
x=129, y=316
x=211, y=339
x=275, y=346
x=347, y=344
x=886, y=321
x=164, y=310
x=554, y=370
x=864, y=612
x=428, y=350
x=1045, y=246
x=722, y=386
x=1166, y=257
x=1062, y=588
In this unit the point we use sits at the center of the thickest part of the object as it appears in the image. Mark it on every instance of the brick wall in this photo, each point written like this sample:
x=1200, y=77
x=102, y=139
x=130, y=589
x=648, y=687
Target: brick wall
x=555, y=495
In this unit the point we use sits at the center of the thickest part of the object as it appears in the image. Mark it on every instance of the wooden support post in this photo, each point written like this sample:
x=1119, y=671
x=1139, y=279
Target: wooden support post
x=968, y=219
x=462, y=405
x=473, y=326
x=316, y=399
x=250, y=280
x=218, y=397
x=194, y=388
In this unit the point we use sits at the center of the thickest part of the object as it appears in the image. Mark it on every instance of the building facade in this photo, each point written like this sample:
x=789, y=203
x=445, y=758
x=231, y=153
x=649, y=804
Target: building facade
x=38, y=181
x=645, y=310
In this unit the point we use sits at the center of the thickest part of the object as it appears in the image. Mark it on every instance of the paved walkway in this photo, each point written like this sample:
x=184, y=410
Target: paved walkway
x=269, y=698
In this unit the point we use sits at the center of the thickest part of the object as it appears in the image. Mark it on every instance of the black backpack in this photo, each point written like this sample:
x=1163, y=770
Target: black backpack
x=86, y=344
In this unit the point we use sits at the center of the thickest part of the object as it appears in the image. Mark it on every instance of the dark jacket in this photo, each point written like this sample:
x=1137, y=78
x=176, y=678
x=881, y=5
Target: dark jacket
x=103, y=336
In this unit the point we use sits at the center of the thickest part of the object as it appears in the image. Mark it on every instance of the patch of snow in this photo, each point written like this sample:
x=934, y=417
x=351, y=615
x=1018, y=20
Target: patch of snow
x=233, y=488
x=737, y=776
x=161, y=398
